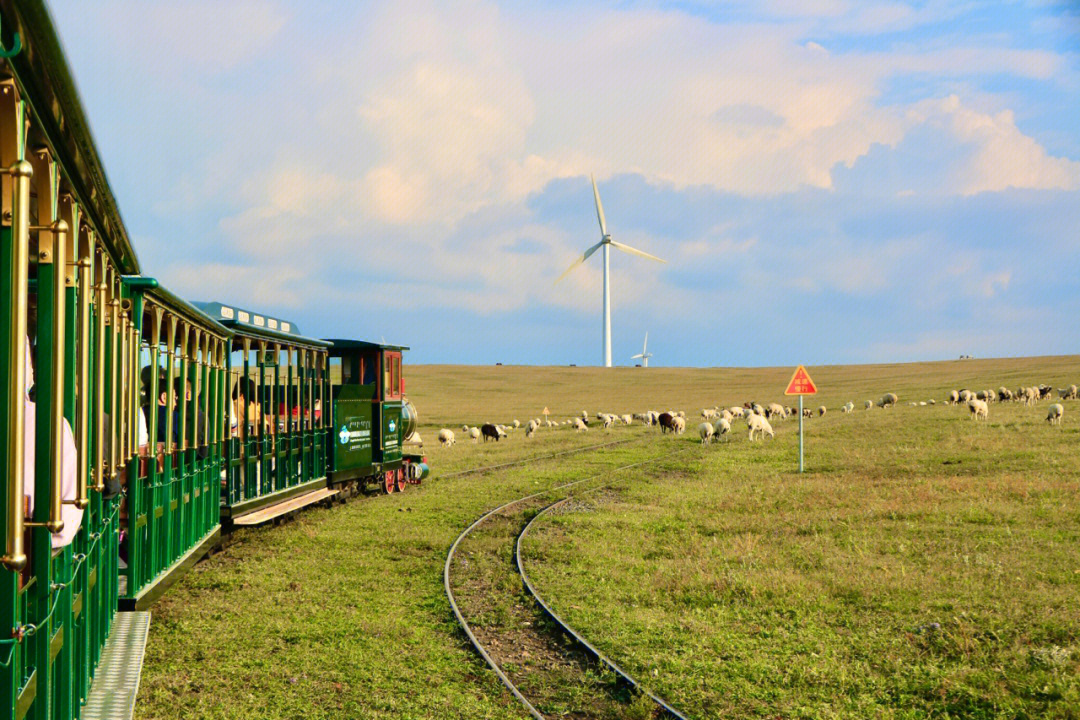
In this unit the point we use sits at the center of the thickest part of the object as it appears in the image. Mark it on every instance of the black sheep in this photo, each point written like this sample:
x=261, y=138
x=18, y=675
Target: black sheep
x=667, y=422
x=489, y=431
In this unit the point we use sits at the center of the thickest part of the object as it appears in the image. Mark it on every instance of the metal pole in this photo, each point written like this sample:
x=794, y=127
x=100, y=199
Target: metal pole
x=800, y=435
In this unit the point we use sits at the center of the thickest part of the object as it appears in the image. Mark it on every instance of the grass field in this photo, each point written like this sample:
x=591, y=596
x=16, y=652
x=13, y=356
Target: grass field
x=734, y=586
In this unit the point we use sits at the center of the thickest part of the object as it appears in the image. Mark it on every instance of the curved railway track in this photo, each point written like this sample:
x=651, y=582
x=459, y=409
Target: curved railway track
x=524, y=640
x=535, y=458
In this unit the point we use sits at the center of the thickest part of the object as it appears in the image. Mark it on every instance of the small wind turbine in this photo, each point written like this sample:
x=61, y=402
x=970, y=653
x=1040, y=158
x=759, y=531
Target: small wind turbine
x=607, y=243
x=645, y=354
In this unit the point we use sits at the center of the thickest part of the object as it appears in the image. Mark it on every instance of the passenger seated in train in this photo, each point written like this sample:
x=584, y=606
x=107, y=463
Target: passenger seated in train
x=196, y=423
x=70, y=514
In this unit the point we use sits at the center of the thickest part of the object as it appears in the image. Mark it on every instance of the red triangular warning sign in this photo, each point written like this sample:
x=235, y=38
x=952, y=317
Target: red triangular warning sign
x=546, y=411
x=801, y=384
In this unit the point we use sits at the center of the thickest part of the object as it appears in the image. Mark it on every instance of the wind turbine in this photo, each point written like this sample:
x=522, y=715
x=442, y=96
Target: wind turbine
x=607, y=243
x=645, y=354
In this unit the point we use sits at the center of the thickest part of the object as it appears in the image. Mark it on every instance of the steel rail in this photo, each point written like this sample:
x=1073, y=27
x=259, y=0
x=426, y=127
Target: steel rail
x=568, y=630
x=535, y=458
x=453, y=548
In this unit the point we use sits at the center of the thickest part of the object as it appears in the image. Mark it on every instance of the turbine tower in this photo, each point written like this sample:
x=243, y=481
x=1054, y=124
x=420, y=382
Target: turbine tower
x=644, y=355
x=607, y=243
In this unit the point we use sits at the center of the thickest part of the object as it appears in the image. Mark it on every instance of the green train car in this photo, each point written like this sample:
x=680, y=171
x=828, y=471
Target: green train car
x=139, y=428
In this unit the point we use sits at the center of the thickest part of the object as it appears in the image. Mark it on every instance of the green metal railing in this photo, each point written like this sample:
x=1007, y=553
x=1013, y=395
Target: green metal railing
x=279, y=443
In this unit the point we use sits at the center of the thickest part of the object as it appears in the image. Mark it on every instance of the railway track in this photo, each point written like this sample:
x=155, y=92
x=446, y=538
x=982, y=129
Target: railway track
x=541, y=660
x=535, y=458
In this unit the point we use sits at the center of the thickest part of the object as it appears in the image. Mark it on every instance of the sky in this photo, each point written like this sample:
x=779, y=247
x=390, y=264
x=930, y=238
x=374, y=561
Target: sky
x=830, y=181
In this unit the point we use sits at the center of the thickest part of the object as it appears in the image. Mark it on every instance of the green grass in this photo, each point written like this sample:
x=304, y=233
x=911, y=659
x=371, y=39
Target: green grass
x=731, y=575
x=925, y=566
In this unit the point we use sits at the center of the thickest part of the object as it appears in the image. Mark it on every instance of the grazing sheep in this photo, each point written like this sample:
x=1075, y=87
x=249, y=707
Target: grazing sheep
x=446, y=437
x=725, y=414
x=1045, y=391
x=887, y=400
x=966, y=395
x=868, y=404
x=822, y=410
x=489, y=432
x=758, y=424
x=531, y=428
x=736, y=411
x=954, y=397
x=708, y=414
x=723, y=427
x=978, y=409
x=678, y=425
x=705, y=430
x=609, y=421
x=807, y=413
x=474, y=433
x=465, y=429
x=580, y=425
x=1068, y=393
x=848, y=407
x=666, y=421
x=932, y=401
x=1057, y=410
x=774, y=410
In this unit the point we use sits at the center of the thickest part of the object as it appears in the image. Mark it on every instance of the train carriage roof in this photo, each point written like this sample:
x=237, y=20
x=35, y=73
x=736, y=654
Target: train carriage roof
x=42, y=74
x=258, y=325
x=363, y=345
x=163, y=297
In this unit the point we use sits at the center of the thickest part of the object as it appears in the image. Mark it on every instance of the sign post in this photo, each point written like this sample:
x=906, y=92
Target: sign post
x=800, y=385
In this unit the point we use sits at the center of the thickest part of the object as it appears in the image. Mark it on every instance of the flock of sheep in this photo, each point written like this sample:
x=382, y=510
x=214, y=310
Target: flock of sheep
x=717, y=421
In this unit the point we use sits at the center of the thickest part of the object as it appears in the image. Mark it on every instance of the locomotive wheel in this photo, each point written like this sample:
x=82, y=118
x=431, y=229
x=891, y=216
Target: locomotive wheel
x=400, y=479
x=388, y=481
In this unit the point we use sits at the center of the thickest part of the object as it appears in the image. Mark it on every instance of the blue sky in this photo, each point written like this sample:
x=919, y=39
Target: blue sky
x=831, y=181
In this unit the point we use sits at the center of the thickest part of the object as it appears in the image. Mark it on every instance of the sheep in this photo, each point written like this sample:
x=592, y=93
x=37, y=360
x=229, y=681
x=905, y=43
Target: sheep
x=474, y=433
x=705, y=430
x=954, y=397
x=465, y=429
x=822, y=410
x=978, y=409
x=736, y=411
x=580, y=425
x=965, y=395
x=666, y=421
x=932, y=401
x=678, y=425
x=609, y=420
x=489, y=432
x=516, y=424
x=758, y=424
x=1045, y=391
x=530, y=429
x=723, y=427
x=887, y=400
x=725, y=414
x=868, y=404
x=627, y=419
x=1030, y=396
x=1068, y=393
x=446, y=437
x=775, y=409
x=708, y=414
x=1004, y=394
x=922, y=403
x=807, y=413
x=848, y=407
x=1057, y=410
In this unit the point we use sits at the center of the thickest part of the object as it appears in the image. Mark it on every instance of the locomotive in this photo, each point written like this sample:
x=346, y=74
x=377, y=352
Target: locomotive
x=139, y=427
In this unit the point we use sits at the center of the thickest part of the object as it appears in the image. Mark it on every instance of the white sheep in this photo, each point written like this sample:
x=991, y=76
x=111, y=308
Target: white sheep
x=627, y=419
x=868, y=404
x=608, y=420
x=446, y=437
x=579, y=425
x=978, y=409
x=708, y=414
x=530, y=429
x=737, y=411
x=678, y=425
x=954, y=397
x=1057, y=410
x=887, y=400
x=705, y=431
x=723, y=427
x=848, y=407
x=758, y=423
x=474, y=433
x=822, y=410
x=465, y=429
x=776, y=410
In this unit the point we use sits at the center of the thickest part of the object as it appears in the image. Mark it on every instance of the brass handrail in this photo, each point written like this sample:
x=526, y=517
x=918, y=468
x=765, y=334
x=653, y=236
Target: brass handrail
x=15, y=553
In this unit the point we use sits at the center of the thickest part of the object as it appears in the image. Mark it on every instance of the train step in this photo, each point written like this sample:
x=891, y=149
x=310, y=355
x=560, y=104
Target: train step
x=267, y=514
x=116, y=683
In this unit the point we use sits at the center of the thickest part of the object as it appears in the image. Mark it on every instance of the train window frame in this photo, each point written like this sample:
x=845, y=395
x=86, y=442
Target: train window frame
x=392, y=375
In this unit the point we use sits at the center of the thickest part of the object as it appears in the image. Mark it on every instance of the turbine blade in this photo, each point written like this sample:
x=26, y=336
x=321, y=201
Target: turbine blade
x=599, y=207
x=635, y=357
x=645, y=347
x=635, y=251
x=584, y=256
